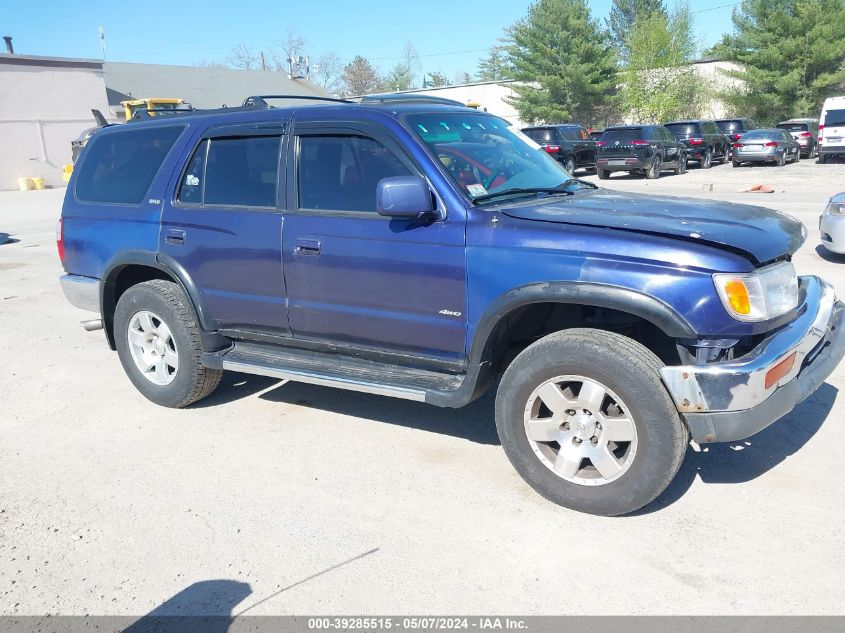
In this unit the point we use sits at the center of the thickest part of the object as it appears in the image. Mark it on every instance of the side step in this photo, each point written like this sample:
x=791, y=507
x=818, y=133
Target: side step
x=337, y=370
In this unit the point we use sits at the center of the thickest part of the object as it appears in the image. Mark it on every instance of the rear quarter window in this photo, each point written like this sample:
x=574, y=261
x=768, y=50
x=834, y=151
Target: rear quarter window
x=118, y=168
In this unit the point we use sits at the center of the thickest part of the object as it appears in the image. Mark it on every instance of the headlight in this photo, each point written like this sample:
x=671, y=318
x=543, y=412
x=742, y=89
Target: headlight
x=761, y=295
x=835, y=208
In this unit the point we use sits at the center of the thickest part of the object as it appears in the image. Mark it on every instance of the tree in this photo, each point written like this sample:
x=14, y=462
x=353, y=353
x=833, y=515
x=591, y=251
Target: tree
x=562, y=60
x=461, y=77
x=327, y=72
x=658, y=82
x=623, y=16
x=791, y=52
x=360, y=78
x=402, y=75
x=436, y=79
x=497, y=65
x=289, y=55
x=242, y=56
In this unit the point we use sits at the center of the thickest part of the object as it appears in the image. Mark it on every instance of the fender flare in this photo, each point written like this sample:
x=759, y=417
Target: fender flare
x=651, y=309
x=171, y=268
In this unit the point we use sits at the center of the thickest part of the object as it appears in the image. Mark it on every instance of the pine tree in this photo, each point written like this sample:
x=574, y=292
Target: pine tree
x=623, y=15
x=792, y=54
x=496, y=66
x=360, y=78
x=562, y=60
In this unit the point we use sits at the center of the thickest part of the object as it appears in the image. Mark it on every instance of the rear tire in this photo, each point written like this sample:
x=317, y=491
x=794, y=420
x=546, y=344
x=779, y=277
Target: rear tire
x=603, y=174
x=653, y=172
x=822, y=159
x=569, y=166
x=624, y=439
x=736, y=163
x=781, y=161
x=706, y=161
x=155, y=325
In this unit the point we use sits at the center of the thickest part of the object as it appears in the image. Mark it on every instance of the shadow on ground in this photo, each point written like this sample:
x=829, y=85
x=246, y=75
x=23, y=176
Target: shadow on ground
x=744, y=460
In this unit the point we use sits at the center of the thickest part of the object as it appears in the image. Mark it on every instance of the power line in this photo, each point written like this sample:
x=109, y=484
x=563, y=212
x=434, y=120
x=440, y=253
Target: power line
x=721, y=6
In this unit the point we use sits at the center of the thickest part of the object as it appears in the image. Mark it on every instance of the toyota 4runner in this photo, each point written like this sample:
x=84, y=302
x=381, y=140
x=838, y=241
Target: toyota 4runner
x=433, y=252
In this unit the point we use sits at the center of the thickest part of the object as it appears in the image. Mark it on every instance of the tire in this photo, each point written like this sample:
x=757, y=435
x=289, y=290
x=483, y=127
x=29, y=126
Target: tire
x=642, y=468
x=735, y=163
x=569, y=166
x=723, y=157
x=797, y=158
x=681, y=167
x=653, y=172
x=706, y=161
x=145, y=308
x=822, y=159
x=781, y=161
x=603, y=174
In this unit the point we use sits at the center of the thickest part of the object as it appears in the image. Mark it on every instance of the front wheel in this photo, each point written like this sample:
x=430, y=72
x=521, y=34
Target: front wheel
x=584, y=418
x=569, y=165
x=158, y=342
x=682, y=165
x=706, y=161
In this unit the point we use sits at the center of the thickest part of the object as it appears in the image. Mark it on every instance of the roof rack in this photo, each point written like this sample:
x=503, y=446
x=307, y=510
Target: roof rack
x=408, y=98
x=260, y=101
x=149, y=113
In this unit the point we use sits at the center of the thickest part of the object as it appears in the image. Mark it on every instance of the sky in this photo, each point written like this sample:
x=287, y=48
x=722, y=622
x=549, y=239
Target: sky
x=449, y=35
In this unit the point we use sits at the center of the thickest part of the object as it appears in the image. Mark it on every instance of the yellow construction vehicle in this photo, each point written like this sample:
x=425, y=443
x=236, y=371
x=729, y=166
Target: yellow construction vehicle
x=153, y=106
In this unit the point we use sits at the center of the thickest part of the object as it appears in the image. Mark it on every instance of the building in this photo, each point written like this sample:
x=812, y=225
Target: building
x=45, y=103
x=202, y=86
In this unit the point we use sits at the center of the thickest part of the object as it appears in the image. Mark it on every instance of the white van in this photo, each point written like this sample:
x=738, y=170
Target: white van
x=832, y=128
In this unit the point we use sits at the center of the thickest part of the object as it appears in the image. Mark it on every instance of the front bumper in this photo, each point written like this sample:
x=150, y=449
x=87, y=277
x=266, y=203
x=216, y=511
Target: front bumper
x=729, y=401
x=82, y=292
x=832, y=228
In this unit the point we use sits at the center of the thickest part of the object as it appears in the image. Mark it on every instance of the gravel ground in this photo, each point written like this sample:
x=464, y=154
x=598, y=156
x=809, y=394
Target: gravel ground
x=290, y=498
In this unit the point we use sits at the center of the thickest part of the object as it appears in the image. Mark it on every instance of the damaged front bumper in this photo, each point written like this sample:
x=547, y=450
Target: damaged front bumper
x=735, y=399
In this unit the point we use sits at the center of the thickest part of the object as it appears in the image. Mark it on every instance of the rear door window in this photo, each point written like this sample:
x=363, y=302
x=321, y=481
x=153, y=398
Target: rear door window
x=834, y=118
x=242, y=171
x=119, y=167
x=571, y=134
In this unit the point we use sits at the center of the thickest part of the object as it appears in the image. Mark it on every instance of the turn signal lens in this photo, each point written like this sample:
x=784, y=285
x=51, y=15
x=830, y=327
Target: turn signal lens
x=737, y=295
x=780, y=370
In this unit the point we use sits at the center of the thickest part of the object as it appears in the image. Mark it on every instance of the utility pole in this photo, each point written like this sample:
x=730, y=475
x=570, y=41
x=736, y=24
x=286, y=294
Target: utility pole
x=103, y=42
x=263, y=64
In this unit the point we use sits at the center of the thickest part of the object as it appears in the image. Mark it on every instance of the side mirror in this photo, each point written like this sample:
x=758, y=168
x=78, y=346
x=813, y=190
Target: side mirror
x=404, y=197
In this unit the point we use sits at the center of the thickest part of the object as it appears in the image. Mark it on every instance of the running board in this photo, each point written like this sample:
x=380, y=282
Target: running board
x=335, y=370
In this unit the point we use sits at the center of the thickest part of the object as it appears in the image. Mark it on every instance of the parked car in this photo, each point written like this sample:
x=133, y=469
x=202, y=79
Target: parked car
x=704, y=140
x=832, y=224
x=596, y=134
x=832, y=129
x=772, y=145
x=567, y=143
x=639, y=149
x=805, y=132
x=358, y=246
x=735, y=128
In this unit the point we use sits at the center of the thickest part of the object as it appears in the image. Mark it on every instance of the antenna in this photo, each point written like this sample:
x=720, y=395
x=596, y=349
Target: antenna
x=103, y=42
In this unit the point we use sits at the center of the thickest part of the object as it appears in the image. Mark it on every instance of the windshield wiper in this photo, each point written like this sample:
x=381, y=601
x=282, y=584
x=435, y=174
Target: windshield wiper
x=515, y=191
x=586, y=183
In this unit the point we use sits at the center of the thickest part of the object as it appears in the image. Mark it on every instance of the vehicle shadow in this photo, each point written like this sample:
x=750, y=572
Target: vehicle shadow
x=474, y=422
x=203, y=607
x=5, y=238
x=745, y=460
x=828, y=256
x=235, y=386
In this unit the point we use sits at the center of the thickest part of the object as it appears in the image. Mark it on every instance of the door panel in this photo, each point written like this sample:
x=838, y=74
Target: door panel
x=224, y=226
x=357, y=278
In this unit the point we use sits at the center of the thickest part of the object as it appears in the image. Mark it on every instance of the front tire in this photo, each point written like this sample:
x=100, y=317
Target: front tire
x=584, y=418
x=569, y=166
x=706, y=161
x=158, y=343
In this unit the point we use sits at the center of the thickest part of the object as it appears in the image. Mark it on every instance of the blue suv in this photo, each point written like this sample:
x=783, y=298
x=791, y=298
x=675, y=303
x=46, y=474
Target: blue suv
x=432, y=252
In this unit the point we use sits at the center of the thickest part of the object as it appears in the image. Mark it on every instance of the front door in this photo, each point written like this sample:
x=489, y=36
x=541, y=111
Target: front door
x=223, y=225
x=358, y=279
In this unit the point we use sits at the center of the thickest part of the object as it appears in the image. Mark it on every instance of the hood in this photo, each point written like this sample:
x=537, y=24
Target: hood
x=761, y=234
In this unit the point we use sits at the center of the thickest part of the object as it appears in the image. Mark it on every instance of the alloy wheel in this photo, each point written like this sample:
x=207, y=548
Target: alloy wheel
x=152, y=347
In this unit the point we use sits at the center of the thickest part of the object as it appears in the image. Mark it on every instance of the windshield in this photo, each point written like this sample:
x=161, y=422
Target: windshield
x=684, y=129
x=729, y=126
x=622, y=134
x=484, y=154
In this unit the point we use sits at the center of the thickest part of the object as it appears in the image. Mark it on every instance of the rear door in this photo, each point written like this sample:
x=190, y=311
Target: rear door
x=222, y=224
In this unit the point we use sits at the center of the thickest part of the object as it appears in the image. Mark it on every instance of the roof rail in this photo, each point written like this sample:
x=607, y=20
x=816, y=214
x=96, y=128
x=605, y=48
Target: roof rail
x=260, y=101
x=149, y=113
x=408, y=98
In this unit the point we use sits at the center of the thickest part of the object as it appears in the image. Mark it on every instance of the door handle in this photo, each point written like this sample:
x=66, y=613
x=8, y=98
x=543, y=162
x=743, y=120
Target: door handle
x=174, y=236
x=307, y=247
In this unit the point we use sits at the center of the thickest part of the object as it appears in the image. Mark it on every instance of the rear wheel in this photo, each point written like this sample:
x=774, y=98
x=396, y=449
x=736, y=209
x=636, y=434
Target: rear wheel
x=736, y=163
x=681, y=167
x=584, y=418
x=781, y=161
x=569, y=165
x=797, y=156
x=158, y=343
x=706, y=161
x=822, y=159
x=603, y=174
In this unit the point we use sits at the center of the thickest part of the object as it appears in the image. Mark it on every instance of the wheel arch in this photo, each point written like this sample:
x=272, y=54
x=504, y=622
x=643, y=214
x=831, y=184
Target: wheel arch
x=583, y=294
x=134, y=267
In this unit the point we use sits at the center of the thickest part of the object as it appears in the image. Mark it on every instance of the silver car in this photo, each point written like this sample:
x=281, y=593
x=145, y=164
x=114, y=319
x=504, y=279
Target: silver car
x=806, y=132
x=832, y=224
x=770, y=145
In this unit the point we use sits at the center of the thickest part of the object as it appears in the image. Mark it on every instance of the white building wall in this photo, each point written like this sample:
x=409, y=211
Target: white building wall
x=42, y=109
x=492, y=97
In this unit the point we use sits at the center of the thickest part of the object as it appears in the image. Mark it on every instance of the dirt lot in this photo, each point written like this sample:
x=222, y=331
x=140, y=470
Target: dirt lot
x=310, y=500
